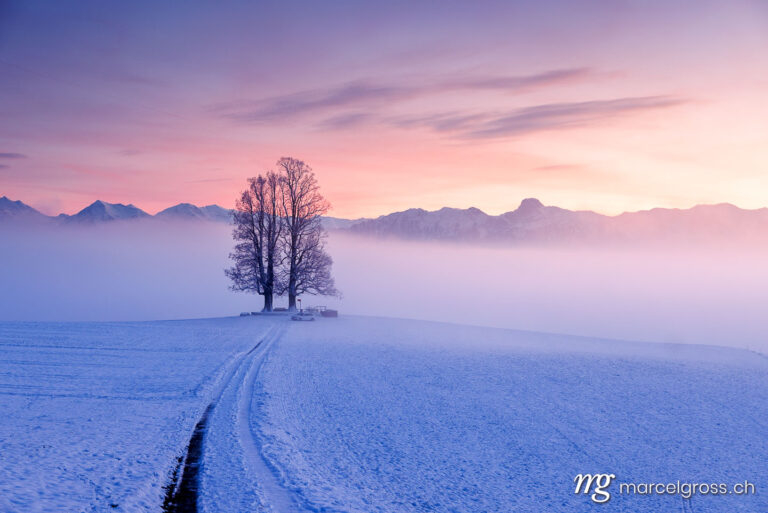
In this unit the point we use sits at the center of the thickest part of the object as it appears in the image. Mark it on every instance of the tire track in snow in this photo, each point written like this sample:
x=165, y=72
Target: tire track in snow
x=276, y=496
x=183, y=489
x=181, y=496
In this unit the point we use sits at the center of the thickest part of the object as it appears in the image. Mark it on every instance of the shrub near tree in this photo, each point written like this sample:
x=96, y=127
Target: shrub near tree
x=279, y=237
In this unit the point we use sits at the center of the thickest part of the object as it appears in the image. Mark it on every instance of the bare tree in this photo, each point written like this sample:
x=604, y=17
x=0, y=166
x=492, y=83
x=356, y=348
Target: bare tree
x=308, y=266
x=257, y=232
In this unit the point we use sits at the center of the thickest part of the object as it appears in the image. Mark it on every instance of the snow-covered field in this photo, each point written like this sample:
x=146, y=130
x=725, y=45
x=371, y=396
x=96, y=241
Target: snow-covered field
x=370, y=415
x=95, y=414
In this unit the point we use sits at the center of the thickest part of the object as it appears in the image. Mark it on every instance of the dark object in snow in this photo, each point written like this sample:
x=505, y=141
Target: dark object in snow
x=245, y=314
x=280, y=309
x=181, y=493
x=303, y=316
x=329, y=313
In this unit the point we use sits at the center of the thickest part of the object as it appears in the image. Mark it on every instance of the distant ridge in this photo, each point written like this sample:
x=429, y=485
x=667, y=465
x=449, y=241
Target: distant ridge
x=190, y=211
x=531, y=222
x=16, y=210
x=100, y=211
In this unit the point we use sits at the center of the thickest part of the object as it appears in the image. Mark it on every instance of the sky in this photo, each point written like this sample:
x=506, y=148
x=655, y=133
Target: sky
x=607, y=106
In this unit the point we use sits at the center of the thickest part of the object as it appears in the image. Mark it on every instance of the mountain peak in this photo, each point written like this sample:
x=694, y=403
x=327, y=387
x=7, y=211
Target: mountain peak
x=5, y=200
x=102, y=211
x=17, y=209
x=190, y=211
x=530, y=204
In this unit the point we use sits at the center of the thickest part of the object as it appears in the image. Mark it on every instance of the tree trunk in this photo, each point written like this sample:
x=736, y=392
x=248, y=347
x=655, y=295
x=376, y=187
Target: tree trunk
x=291, y=302
x=267, y=302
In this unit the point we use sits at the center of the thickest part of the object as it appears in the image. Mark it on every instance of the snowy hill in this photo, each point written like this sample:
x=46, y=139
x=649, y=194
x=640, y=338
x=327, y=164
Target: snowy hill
x=189, y=211
x=372, y=415
x=103, y=211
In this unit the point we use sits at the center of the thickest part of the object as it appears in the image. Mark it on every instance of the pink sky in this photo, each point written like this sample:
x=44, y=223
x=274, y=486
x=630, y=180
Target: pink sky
x=589, y=105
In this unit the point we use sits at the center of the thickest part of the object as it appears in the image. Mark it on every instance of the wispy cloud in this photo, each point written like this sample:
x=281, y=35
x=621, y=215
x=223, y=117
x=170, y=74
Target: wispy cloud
x=7, y=155
x=354, y=104
x=442, y=122
x=345, y=121
x=522, y=83
x=299, y=104
x=554, y=116
x=3, y=166
x=565, y=115
x=370, y=94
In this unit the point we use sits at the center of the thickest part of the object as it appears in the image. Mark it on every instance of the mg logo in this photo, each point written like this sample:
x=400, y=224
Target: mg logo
x=595, y=483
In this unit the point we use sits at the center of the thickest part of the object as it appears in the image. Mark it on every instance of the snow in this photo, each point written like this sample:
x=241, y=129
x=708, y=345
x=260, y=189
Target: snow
x=11, y=211
x=191, y=212
x=367, y=415
x=96, y=413
x=103, y=211
x=362, y=414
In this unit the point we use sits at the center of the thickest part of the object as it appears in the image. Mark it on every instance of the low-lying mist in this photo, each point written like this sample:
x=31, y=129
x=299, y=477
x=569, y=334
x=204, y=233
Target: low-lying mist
x=151, y=270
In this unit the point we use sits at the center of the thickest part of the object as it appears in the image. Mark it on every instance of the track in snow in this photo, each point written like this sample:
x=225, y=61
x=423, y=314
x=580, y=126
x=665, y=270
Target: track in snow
x=182, y=496
x=184, y=489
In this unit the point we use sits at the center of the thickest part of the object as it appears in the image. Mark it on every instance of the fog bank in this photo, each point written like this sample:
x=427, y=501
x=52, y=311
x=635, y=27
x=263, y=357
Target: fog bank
x=143, y=271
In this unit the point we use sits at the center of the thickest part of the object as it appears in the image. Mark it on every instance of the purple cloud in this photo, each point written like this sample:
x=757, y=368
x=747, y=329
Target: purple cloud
x=523, y=83
x=556, y=116
x=298, y=104
x=345, y=121
x=370, y=94
x=12, y=156
x=444, y=122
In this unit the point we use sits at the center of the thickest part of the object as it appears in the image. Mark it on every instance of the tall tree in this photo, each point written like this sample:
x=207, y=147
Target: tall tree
x=257, y=232
x=308, y=266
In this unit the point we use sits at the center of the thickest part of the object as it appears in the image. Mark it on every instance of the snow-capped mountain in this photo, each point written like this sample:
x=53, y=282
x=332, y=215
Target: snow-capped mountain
x=192, y=212
x=534, y=222
x=102, y=211
x=337, y=223
x=531, y=222
x=417, y=223
x=17, y=210
x=700, y=223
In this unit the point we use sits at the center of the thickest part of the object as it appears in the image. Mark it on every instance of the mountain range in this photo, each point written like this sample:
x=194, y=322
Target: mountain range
x=531, y=222
x=101, y=211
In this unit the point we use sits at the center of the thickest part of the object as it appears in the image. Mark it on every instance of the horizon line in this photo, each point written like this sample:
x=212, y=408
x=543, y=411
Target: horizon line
x=406, y=209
